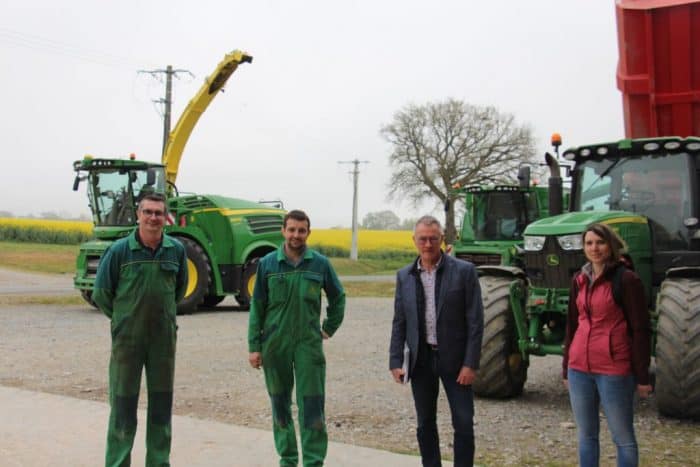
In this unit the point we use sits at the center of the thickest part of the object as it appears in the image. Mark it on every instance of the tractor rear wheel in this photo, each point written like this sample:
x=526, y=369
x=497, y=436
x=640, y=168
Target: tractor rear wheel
x=250, y=271
x=199, y=277
x=678, y=348
x=502, y=370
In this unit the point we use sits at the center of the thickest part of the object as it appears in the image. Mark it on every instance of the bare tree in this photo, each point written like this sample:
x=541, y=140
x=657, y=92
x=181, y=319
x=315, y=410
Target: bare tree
x=438, y=145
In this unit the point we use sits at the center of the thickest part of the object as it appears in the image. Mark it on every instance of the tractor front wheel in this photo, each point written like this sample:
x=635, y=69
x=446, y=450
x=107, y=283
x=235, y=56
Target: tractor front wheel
x=678, y=348
x=502, y=370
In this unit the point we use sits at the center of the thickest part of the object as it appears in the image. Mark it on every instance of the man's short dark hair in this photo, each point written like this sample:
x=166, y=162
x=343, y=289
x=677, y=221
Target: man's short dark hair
x=157, y=197
x=297, y=215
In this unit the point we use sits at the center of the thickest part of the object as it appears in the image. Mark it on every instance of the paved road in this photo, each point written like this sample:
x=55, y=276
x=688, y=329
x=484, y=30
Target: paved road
x=17, y=282
x=44, y=429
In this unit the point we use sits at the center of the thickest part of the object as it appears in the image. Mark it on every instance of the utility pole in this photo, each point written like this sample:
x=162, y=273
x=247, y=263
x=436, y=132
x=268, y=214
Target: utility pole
x=167, y=101
x=355, y=175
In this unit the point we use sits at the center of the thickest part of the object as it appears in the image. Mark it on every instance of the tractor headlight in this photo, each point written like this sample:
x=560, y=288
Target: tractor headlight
x=534, y=242
x=570, y=242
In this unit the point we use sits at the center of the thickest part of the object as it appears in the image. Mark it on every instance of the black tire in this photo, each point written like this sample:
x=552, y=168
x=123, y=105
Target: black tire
x=210, y=301
x=678, y=348
x=87, y=296
x=248, y=281
x=199, y=277
x=502, y=370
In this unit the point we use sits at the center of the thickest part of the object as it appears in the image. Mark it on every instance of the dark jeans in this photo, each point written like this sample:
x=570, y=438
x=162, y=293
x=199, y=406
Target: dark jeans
x=425, y=386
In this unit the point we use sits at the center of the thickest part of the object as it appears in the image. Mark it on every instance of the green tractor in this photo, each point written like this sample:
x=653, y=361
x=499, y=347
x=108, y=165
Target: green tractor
x=647, y=191
x=224, y=237
x=492, y=238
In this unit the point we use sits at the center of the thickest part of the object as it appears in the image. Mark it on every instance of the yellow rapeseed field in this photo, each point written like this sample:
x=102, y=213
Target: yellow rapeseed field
x=44, y=230
x=370, y=242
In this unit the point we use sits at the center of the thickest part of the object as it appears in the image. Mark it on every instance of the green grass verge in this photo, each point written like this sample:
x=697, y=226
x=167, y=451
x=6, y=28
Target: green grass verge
x=361, y=267
x=369, y=289
x=38, y=257
x=10, y=300
x=60, y=259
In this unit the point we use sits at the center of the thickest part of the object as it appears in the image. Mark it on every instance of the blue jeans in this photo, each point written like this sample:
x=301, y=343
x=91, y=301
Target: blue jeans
x=425, y=382
x=587, y=391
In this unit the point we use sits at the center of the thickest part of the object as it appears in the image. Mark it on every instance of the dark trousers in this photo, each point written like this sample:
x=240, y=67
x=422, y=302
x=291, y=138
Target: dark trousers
x=425, y=386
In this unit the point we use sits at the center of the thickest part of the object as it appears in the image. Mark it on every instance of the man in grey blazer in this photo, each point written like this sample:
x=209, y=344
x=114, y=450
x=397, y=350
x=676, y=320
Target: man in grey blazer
x=439, y=315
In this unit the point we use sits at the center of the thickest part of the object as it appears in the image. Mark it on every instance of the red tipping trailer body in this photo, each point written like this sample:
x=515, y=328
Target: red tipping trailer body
x=659, y=67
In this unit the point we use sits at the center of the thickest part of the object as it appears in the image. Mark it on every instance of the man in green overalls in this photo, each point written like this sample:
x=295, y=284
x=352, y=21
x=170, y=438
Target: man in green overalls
x=139, y=281
x=285, y=337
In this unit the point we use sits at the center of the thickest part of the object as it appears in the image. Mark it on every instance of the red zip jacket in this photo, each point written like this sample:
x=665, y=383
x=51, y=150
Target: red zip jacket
x=599, y=339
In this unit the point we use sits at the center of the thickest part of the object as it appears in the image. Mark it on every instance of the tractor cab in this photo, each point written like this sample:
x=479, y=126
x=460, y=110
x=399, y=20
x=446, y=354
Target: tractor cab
x=653, y=184
x=501, y=213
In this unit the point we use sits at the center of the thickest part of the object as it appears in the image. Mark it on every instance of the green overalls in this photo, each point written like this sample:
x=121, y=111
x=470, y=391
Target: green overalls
x=284, y=325
x=138, y=288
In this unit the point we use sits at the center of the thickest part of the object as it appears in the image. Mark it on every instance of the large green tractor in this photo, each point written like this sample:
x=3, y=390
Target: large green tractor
x=648, y=191
x=224, y=237
x=492, y=238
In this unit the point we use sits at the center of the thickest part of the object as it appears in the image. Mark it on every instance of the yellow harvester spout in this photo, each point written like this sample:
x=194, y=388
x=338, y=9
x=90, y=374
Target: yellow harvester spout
x=197, y=105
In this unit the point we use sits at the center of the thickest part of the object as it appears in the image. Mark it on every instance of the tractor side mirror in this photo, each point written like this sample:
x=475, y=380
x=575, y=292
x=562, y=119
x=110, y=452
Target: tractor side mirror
x=77, y=181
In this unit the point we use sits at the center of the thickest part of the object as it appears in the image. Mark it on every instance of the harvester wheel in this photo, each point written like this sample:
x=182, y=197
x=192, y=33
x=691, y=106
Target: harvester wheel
x=248, y=282
x=210, y=301
x=87, y=296
x=199, y=276
x=678, y=348
x=502, y=370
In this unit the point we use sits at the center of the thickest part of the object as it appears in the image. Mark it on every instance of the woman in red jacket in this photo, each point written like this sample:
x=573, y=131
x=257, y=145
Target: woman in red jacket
x=607, y=348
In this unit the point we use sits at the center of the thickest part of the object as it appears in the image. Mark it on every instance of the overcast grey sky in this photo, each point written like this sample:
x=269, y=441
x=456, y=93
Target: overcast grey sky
x=326, y=76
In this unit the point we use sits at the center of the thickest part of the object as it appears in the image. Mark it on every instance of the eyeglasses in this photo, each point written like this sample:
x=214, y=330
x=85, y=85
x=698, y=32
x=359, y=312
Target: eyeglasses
x=150, y=212
x=432, y=240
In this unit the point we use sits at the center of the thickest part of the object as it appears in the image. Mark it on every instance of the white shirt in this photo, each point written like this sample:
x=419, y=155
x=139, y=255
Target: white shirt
x=428, y=278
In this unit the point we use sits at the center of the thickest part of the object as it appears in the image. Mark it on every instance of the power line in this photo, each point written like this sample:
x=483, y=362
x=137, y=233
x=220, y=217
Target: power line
x=355, y=175
x=55, y=47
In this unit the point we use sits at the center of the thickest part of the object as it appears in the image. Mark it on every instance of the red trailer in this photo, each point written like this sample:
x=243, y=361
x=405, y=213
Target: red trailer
x=659, y=68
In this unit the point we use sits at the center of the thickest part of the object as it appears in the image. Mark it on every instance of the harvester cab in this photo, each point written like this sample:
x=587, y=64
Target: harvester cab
x=114, y=188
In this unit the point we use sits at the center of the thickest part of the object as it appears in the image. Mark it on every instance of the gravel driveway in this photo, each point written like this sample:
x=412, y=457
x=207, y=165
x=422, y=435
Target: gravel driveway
x=65, y=350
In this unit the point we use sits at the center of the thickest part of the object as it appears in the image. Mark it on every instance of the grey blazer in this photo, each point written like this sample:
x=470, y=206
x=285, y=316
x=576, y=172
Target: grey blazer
x=460, y=315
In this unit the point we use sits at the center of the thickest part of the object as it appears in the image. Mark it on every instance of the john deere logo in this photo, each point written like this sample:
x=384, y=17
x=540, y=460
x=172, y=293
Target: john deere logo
x=552, y=260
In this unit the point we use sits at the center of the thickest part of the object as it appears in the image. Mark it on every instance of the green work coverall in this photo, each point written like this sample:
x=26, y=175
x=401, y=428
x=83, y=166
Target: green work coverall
x=138, y=288
x=285, y=325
